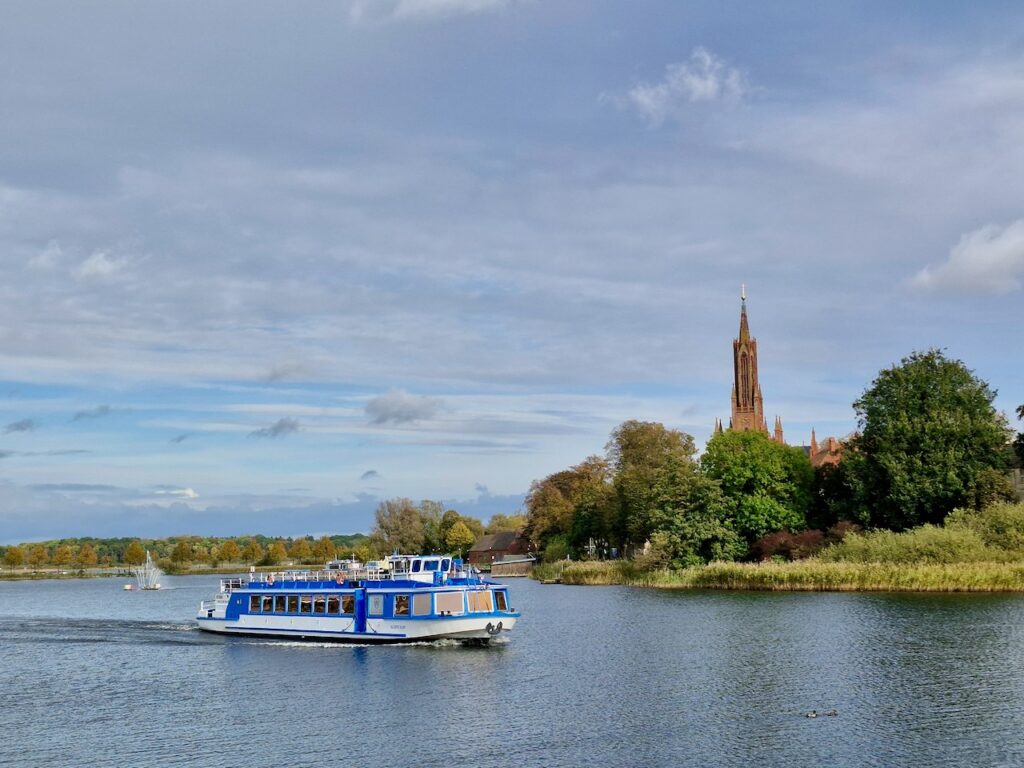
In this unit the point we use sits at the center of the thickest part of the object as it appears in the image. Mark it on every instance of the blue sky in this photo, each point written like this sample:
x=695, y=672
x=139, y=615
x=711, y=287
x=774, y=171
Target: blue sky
x=264, y=265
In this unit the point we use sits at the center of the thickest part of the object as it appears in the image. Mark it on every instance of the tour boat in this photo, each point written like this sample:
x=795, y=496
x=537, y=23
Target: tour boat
x=403, y=598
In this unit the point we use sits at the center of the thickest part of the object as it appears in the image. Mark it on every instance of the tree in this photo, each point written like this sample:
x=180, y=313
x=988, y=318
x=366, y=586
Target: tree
x=230, y=552
x=301, y=551
x=1018, y=444
x=398, y=527
x=552, y=503
x=928, y=437
x=276, y=552
x=253, y=552
x=499, y=523
x=324, y=550
x=63, y=556
x=135, y=554
x=431, y=521
x=38, y=555
x=182, y=552
x=459, y=539
x=86, y=557
x=637, y=451
x=768, y=484
x=14, y=557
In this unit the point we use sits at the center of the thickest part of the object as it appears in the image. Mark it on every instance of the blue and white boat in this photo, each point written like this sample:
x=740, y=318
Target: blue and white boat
x=403, y=598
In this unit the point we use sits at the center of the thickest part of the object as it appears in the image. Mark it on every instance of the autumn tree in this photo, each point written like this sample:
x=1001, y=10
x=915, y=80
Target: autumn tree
x=301, y=551
x=500, y=522
x=182, y=552
x=568, y=508
x=14, y=557
x=230, y=552
x=135, y=553
x=768, y=484
x=324, y=550
x=459, y=539
x=930, y=441
x=86, y=557
x=253, y=552
x=38, y=555
x=276, y=553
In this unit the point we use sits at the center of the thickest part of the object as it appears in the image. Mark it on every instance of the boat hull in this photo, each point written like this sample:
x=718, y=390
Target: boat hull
x=472, y=629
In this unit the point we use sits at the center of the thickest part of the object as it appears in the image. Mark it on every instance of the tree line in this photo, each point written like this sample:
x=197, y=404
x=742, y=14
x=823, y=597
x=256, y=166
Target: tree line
x=428, y=528
x=179, y=551
x=928, y=441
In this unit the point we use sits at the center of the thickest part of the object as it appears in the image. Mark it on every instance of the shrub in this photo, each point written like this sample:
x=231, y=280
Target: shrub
x=999, y=525
x=927, y=544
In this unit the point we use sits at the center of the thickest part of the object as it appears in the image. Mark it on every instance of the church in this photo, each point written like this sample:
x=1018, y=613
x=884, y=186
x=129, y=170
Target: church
x=748, y=403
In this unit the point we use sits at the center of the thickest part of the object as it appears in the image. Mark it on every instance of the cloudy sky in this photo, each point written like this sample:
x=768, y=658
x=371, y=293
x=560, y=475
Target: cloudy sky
x=263, y=264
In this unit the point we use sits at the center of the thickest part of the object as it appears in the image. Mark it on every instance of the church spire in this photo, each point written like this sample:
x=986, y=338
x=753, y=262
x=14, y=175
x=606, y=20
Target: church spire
x=744, y=328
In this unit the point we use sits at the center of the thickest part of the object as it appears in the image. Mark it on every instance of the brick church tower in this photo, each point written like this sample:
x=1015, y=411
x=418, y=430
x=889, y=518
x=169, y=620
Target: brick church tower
x=747, y=402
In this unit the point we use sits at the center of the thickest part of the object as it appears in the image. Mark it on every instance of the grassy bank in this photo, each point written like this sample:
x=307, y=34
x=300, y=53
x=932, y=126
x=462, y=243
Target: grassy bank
x=803, y=575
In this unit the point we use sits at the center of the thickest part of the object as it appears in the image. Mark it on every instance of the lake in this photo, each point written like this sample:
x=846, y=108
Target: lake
x=91, y=675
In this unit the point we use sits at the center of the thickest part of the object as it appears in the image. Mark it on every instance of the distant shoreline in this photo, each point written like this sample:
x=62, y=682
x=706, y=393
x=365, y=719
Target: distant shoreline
x=109, y=573
x=799, y=576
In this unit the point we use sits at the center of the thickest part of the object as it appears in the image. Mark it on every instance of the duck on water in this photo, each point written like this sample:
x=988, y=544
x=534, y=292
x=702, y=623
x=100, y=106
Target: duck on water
x=402, y=598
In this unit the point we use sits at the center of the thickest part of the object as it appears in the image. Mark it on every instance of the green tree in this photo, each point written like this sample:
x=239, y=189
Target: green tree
x=253, y=552
x=398, y=527
x=86, y=557
x=1018, y=444
x=554, y=503
x=929, y=438
x=230, y=552
x=768, y=484
x=135, y=554
x=691, y=518
x=637, y=451
x=459, y=539
x=14, y=557
x=38, y=556
x=276, y=553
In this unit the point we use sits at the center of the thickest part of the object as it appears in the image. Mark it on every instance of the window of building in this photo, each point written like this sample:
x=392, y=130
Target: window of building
x=376, y=605
x=333, y=603
x=501, y=600
x=279, y=603
x=348, y=604
x=306, y=604
x=254, y=603
x=319, y=604
x=268, y=604
x=421, y=605
x=449, y=602
x=401, y=605
x=293, y=603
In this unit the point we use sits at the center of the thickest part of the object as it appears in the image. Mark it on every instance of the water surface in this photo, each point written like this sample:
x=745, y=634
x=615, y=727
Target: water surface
x=604, y=676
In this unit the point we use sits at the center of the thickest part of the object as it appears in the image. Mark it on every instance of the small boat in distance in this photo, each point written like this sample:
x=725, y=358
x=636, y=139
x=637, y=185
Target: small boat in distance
x=148, y=575
x=402, y=598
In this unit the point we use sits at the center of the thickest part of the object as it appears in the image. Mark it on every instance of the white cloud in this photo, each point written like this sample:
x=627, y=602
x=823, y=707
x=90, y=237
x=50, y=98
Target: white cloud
x=398, y=407
x=397, y=10
x=100, y=266
x=704, y=78
x=989, y=260
x=179, y=493
x=48, y=257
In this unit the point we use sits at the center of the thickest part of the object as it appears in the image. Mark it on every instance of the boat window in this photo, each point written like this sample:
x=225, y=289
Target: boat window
x=416, y=565
x=333, y=603
x=268, y=604
x=306, y=604
x=480, y=602
x=430, y=565
x=254, y=603
x=319, y=604
x=421, y=605
x=279, y=601
x=376, y=605
x=449, y=602
x=348, y=604
x=401, y=605
x=501, y=600
x=293, y=603
x=446, y=565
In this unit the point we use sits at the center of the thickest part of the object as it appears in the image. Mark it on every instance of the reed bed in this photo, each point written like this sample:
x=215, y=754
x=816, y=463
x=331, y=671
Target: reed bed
x=807, y=575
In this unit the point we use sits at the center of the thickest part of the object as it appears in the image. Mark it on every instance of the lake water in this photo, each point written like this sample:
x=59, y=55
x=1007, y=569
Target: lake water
x=603, y=676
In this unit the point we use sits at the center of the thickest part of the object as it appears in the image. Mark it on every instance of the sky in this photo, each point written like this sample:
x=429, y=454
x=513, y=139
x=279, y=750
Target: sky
x=265, y=264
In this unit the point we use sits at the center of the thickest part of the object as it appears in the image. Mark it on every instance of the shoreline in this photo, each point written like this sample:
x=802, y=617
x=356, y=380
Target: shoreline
x=798, y=576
